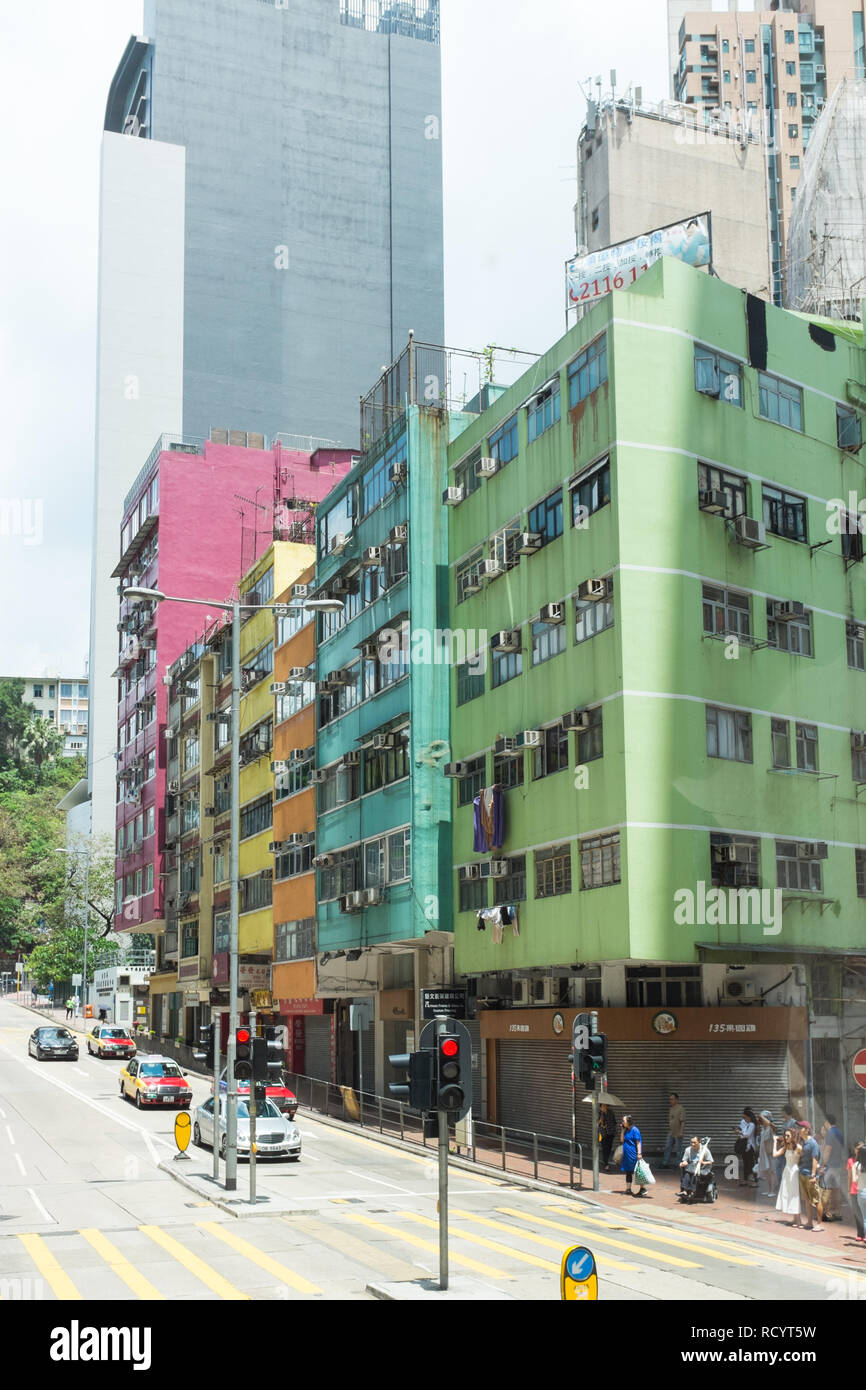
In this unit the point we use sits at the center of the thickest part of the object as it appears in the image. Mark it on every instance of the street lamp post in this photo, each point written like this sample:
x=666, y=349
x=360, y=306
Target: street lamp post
x=137, y=595
x=86, y=853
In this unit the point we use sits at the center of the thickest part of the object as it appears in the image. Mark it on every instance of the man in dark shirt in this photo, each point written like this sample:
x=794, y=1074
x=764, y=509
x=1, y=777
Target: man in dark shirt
x=832, y=1158
x=810, y=1192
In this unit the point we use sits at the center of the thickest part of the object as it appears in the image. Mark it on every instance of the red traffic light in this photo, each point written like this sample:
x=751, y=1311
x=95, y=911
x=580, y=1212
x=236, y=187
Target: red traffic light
x=243, y=1035
x=450, y=1047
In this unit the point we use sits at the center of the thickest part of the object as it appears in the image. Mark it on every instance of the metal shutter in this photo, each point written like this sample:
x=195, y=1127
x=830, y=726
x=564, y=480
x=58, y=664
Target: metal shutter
x=367, y=1045
x=714, y=1082
x=317, y=1046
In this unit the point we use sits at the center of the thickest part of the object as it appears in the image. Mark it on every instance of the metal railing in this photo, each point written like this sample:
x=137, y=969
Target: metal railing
x=184, y=443
x=521, y=1152
x=414, y=19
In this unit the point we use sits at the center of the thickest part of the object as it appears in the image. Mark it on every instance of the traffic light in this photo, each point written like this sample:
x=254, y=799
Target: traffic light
x=205, y=1045
x=454, y=1074
x=260, y=1060
x=275, y=1055
x=243, y=1055
x=420, y=1091
x=594, y=1060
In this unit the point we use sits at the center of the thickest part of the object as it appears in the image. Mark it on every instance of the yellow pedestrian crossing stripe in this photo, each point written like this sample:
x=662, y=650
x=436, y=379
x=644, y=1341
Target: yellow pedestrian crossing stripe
x=215, y=1282
x=494, y=1245
x=650, y=1233
x=57, y=1281
x=141, y=1287
x=573, y=1229
x=260, y=1258
x=475, y=1265
x=609, y=1261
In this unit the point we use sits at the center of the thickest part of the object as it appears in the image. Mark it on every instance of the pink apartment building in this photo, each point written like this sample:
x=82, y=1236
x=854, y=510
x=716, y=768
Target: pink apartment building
x=197, y=517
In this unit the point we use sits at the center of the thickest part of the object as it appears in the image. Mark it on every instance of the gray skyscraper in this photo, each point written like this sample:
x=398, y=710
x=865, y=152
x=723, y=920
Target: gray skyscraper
x=270, y=231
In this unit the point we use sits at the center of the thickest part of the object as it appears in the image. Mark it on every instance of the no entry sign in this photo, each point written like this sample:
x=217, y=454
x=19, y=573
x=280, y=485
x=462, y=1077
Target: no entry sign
x=858, y=1066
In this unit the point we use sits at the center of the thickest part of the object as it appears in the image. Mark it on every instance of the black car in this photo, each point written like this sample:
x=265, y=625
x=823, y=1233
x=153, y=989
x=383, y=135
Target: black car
x=53, y=1042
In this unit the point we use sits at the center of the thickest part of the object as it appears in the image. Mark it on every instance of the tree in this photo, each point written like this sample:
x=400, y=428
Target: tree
x=32, y=876
x=43, y=743
x=14, y=719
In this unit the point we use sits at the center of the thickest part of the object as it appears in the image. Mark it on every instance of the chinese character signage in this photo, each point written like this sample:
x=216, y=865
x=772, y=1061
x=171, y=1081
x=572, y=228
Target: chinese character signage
x=590, y=277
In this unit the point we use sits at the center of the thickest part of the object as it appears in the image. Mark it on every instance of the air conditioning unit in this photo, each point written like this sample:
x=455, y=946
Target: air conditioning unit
x=528, y=543
x=507, y=748
x=471, y=582
x=320, y=775
x=279, y=765
x=324, y=861
x=725, y=854
x=338, y=543
x=492, y=568
x=298, y=838
x=786, y=612
x=712, y=500
x=351, y=902
x=530, y=738
x=300, y=673
x=341, y=677
x=281, y=782
x=173, y=786
x=397, y=473
x=341, y=587
x=575, y=719
x=382, y=741
x=278, y=688
x=506, y=641
x=812, y=849
x=372, y=557
x=856, y=631
x=371, y=897
x=352, y=758
x=552, y=613
x=300, y=591
x=593, y=589
x=750, y=533
x=399, y=534
x=499, y=868
x=486, y=467
x=210, y=810
x=858, y=741
x=520, y=992
x=469, y=871
x=276, y=847
x=453, y=496
x=323, y=687
x=456, y=769
x=738, y=989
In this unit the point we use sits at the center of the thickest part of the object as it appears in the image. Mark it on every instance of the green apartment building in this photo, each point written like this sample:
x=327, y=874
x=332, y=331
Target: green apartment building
x=654, y=533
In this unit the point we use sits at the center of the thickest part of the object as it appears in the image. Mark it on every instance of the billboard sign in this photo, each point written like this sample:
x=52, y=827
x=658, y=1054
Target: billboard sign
x=591, y=277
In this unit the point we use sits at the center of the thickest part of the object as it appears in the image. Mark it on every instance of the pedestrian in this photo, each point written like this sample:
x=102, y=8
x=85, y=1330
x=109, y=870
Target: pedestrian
x=789, y=1121
x=810, y=1193
x=631, y=1152
x=70, y=1005
x=766, y=1168
x=606, y=1134
x=746, y=1145
x=676, y=1131
x=852, y=1195
x=695, y=1158
x=830, y=1171
x=858, y=1187
x=788, y=1196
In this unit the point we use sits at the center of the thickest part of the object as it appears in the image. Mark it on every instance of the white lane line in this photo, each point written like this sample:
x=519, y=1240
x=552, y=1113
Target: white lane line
x=396, y=1186
x=312, y=1158
x=39, y=1207
x=20, y=1162
x=2, y=1114
x=11, y=1135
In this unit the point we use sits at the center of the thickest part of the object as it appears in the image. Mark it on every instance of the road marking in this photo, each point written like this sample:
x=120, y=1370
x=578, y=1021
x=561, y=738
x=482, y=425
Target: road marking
x=119, y=1265
x=605, y=1240
x=508, y=1251
x=258, y=1257
x=407, y=1236
x=366, y=1254
x=429, y=1157
x=382, y=1182
x=2, y=1114
x=649, y=1234
x=19, y=1160
x=215, y=1282
x=535, y=1239
x=11, y=1135
x=39, y=1206
x=48, y=1267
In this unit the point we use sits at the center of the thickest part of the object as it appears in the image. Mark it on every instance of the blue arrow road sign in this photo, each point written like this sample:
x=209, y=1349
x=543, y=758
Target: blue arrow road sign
x=580, y=1263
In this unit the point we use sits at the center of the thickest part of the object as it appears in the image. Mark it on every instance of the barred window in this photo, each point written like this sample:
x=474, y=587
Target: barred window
x=470, y=681
x=295, y=940
x=792, y=872
x=294, y=861
x=552, y=871
x=384, y=766
x=590, y=741
x=256, y=817
x=507, y=772
x=256, y=893
x=552, y=756
x=734, y=861
x=472, y=894
x=599, y=861
x=511, y=888
x=189, y=939
x=469, y=786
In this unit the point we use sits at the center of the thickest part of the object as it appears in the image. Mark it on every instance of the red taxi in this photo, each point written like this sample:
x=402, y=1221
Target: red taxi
x=155, y=1081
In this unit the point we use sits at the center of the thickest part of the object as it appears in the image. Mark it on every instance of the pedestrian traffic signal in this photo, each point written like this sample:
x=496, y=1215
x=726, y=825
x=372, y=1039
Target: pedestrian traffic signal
x=260, y=1060
x=454, y=1074
x=243, y=1055
x=205, y=1045
x=275, y=1055
x=594, y=1060
x=419, y=1093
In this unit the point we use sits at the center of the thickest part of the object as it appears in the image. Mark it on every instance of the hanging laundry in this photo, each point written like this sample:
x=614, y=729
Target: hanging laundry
x=496, y=933
x=488, y=820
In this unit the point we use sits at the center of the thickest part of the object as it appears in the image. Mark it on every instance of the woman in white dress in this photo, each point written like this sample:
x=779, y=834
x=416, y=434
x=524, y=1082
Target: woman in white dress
x=788, y=1198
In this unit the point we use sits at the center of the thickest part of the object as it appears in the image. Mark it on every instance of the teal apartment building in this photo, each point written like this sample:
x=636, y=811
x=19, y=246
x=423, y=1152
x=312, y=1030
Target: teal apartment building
x=655, y=531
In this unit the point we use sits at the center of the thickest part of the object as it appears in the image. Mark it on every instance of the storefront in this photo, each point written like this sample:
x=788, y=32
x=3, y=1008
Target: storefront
x=718, y=1060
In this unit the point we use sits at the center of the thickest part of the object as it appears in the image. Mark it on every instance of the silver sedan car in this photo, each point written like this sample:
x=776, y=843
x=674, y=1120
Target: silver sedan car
x=274, y=1133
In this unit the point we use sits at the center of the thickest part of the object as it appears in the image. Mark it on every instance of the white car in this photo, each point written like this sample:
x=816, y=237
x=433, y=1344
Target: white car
x=274, y=1133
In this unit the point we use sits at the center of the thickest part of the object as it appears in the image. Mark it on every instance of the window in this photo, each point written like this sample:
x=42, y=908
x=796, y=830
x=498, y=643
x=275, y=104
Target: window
x=793, y=132
x=222, y=794
x=552, y=756
x=726, y=46
x=507, y=772
x=599, y=861
x=717, y=375
x=339, y=519
x=503, y=442
x=139, y=881
x=472, y=894
x=190, y=752
x=150, y=765
x=470, y=785
x=298, y=695
x=189, y=939
x=260, y=593
x=733, y=485
x=852, y=537
x=255, y=893
x=792, y=98
x=295, y=940
x=189, y=872
x=726, y=613
x=594, y=217
x=553, y=871
x=548, y=640
x=503, y=545
x=860, y=870
x=856, y=644
x=588, y=371
x=148, y=878
x=849, y=430
x=751, y=76
x=784, y=513
x=729, y=734
x=399, y=848
x=780, y=401
x=382, y=767
x=376, y=484
x=189, y=815
x=592, y=616
x=807, y=747
x=465, y=475
x=470, y=682
x=343, y=876
x=590, y=741
x=65, y=690
x=297, y=776
x=738, y=865
x=780, y=741
x=545, y=519
x=791, y=69
x=795, y=161
x=256, y=817
x=793, y=635
x=792, y=872
x=789, y=36
x=294, y=861
x=668, y=986
x=467, y=575
x=727, y=76
x=858, y=761
x=543, y=411
x=220, y=868
x=293, y=621
x=341, y=785
x=511, y=888
x=51, y=692
x=750, y=45
x=37, y=692
x=505, y=666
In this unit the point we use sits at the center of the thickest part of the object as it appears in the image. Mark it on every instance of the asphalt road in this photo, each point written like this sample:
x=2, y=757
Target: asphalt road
x=87, y=1213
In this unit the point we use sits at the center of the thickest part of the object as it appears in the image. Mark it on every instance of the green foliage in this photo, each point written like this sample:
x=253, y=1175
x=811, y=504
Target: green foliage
x=62, y=955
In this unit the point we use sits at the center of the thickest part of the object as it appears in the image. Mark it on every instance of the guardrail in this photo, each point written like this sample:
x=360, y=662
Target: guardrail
x=519, y=1151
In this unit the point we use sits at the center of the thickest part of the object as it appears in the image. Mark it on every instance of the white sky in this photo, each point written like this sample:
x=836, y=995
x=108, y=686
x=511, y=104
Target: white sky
x=512, y=112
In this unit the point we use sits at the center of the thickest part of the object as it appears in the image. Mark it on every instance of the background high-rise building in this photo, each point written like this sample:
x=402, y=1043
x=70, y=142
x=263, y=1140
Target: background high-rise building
x=63, y=702
x=270, y=231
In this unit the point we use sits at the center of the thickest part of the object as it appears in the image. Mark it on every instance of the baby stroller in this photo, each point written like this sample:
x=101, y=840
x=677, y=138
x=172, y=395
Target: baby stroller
x=704, y=1188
